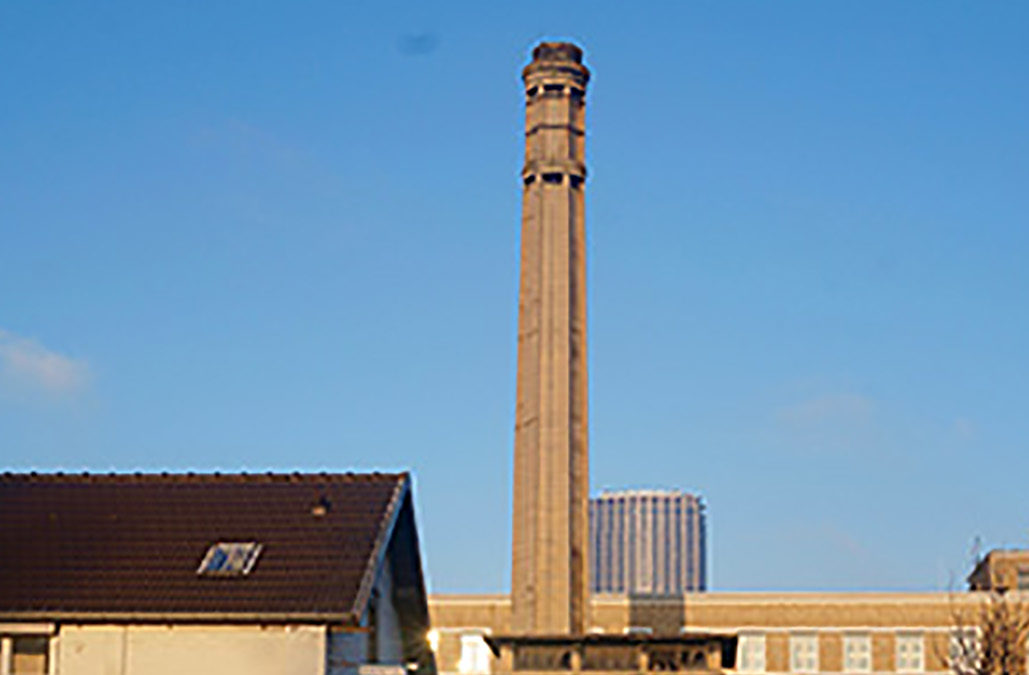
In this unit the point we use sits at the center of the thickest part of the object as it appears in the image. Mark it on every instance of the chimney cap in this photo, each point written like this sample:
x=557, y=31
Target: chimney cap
x=557, y=51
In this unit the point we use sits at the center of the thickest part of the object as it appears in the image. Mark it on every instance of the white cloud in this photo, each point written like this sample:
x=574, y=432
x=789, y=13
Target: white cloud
x=26, y=364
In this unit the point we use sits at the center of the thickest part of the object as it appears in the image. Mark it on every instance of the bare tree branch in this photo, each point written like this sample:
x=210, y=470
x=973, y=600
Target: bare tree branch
x=989, y=636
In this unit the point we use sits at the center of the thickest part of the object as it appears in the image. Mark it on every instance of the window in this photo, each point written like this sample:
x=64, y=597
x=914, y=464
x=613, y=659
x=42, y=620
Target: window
x=475, y=655
x=230, y=559
x=804, y=653
x=1023, y=579
x=910, y=655
x=28, y=654
x=752, y=653
x=857, y=653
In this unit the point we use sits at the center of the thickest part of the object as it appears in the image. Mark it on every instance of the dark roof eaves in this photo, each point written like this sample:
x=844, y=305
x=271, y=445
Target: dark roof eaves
x=335, y=618
x=375, y=560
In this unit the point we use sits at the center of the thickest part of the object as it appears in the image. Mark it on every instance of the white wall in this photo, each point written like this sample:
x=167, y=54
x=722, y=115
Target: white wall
x=197, y=650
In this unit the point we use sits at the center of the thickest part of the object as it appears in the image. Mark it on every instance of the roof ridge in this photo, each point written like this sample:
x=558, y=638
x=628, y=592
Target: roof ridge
x=203, y=477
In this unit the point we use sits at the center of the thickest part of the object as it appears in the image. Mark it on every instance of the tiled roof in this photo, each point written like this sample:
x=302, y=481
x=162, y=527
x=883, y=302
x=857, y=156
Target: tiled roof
x=130, y=544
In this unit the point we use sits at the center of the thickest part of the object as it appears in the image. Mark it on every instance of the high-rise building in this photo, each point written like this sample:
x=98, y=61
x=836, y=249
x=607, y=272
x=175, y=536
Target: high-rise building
x=647, y=542
x=551, y=483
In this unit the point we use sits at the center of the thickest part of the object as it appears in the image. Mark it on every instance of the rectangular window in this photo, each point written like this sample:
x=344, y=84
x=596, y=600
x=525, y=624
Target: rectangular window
x=1023, y=579
x=910, y=657
x=475, y=655
x=29, y=654
x=857, y=653
x=230, y=558
x=804, y=653
x=752, y=653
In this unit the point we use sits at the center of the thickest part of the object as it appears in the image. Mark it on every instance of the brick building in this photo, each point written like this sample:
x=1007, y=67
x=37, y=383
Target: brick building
x=778, y=632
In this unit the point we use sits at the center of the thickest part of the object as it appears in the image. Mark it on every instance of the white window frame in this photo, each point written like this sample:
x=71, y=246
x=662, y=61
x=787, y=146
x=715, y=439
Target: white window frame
x=857, y=646
x=752, y=652
x=909, y=652
x=476, y=656
x=804, y=653
x=7, y=649
x=230, y=558
x=1022, y=579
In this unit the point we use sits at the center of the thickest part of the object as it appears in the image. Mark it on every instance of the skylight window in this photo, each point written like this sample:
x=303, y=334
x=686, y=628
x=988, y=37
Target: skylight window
x=230, y=558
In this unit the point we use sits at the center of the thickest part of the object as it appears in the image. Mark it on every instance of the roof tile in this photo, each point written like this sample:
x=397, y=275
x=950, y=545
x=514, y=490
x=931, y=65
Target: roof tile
x=131, y=543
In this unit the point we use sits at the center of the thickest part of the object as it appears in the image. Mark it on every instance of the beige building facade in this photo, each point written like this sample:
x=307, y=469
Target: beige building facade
x=1002, y=570
x=105, y=649
x=777, y=632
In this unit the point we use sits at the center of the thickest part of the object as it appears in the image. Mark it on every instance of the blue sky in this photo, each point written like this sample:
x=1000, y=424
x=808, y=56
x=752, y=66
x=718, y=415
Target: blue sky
x=251, y=236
